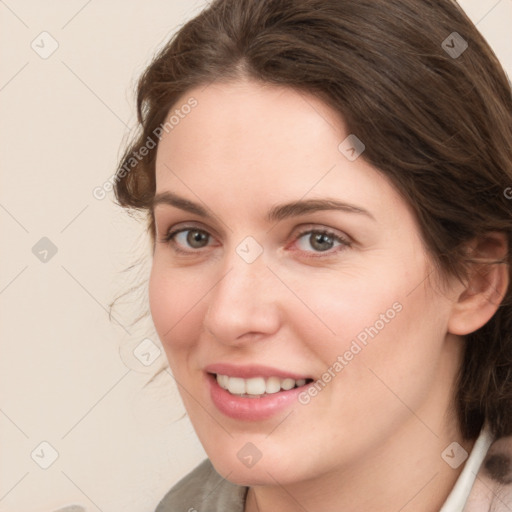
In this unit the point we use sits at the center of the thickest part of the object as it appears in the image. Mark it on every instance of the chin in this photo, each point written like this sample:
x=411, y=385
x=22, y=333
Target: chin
x=266, y=471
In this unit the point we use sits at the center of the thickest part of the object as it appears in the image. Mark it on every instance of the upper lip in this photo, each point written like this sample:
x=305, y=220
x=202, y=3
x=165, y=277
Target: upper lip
x=253, y=370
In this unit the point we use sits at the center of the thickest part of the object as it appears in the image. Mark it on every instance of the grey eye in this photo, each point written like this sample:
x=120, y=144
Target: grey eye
x=194, y=238
x=320, y=241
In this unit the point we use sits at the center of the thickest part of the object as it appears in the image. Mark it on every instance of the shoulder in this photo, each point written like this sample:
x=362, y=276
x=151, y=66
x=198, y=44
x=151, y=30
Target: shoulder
x=203, y=489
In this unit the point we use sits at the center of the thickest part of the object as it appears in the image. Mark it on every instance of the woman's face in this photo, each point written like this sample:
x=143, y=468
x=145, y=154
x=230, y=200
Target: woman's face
x=259, y=292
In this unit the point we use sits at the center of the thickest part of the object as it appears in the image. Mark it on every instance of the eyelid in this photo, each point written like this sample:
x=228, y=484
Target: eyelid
x=344, y=240
x=307, y=228
x=169, y=234
x=184, y=226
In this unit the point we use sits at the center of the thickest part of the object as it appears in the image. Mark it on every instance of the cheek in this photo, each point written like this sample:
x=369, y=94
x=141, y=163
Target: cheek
x=375, y=320
x=399, y=354
x=174, y=303
x=345, y=307
x=160, y=299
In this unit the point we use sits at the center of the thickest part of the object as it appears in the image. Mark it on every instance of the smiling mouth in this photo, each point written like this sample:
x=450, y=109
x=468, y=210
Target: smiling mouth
x=257, y=387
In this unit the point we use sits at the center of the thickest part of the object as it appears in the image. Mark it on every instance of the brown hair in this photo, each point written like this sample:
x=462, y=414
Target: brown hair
x=435, y=119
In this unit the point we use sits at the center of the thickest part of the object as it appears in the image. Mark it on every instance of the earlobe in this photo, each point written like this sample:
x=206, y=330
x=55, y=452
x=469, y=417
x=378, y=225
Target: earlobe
x=485, y=287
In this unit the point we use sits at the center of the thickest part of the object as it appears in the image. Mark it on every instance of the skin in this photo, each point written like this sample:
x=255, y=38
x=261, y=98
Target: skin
x=372, y=439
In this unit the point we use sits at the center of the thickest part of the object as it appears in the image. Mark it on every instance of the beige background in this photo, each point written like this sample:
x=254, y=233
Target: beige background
x=68, y=375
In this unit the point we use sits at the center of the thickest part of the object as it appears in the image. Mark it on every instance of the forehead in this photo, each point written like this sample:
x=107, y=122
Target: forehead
x=247, y=120
x=247, y=142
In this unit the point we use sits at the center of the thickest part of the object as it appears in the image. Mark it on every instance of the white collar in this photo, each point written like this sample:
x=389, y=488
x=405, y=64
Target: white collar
x=462, y=488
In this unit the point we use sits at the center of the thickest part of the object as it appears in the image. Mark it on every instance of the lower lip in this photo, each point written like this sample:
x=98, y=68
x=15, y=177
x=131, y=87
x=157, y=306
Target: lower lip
x=251, y=409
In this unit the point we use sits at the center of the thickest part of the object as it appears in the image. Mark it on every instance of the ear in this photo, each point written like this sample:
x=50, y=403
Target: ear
x=485, y=287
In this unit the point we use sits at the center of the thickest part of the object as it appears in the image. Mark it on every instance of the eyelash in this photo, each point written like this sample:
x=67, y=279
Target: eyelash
x=344, y=242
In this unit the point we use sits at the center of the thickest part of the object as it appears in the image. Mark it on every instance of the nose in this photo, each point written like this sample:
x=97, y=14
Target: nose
x=243, y=305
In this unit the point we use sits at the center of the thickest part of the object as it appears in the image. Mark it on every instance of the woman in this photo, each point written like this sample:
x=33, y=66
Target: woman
x=326, y=188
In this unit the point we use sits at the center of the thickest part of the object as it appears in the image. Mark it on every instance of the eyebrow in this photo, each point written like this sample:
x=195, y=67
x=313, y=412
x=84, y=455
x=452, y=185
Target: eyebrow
x=275, y=214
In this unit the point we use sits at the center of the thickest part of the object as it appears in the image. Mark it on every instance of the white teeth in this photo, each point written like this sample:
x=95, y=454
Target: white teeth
x=257, y=386
x=287, y=384
x=236, y=386
x=273, y=385
x=223, y=381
